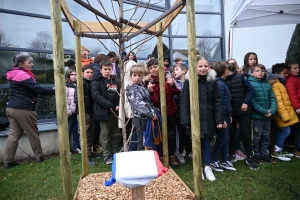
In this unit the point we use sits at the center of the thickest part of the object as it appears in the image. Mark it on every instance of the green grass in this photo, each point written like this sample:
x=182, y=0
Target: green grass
x=30, y=180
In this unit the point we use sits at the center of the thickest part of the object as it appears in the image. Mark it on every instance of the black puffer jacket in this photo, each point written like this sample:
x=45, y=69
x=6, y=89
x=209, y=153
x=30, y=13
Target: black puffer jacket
x=210, y=104
x=88, y=100
x=241, y=92
x=104, y=97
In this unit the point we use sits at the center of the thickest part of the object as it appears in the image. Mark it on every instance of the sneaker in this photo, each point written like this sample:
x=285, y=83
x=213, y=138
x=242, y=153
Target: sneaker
x=227, y=165
x=173, y=162
x=215, y=166
x=78, y=150
x=96, y=149
x=240, y=155
x=91, y=163
x=209, y=174
x=180, y=158
x=280, y=156
x=189, y=156
x=108, y=160
x=287, y=154
x=297, y=154
x=268, y=159
x=250, y=162
x=258, y=160
x=232, y=158
x=202, y=174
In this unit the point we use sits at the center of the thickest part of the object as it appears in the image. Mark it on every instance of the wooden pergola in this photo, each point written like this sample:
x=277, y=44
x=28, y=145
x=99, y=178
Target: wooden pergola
x=116, y=29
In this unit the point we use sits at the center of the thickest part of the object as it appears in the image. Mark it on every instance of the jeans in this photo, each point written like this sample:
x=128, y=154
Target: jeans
x=73, y=128
x=261, y=136
x=238, y=139
x=222, y=142
x=245, y=133
x=139, y=126
x=298, y=136
x=281, y=135
x=205, y=143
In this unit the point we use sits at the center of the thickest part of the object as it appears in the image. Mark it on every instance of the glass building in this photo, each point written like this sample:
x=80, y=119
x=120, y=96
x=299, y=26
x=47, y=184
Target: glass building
x=25, y=26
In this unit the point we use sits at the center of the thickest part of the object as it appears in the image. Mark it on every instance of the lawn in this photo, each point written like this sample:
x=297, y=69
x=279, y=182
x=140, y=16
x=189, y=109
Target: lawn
x=30, y=180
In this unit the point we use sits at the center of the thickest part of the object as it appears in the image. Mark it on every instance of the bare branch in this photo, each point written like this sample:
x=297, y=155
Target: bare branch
x=101, y=22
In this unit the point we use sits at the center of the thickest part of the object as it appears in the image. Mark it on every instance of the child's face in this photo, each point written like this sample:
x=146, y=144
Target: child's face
x=258, y=73
x=294, y=69
x=252, y=60
x=153, y=69
x=166, y=62
x=106, y=71
x=202, y=67
x=73, y=77
x=130, y=57
x=136, y=78
x=113, y=59
x=88, y=74
x=284, y=73
x=178, y=72
x=84, y=53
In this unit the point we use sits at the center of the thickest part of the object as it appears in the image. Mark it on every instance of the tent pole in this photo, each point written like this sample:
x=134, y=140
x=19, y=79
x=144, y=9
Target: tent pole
x=231, y=42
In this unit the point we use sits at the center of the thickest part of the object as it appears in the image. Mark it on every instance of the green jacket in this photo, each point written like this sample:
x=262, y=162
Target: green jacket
x=263, y=98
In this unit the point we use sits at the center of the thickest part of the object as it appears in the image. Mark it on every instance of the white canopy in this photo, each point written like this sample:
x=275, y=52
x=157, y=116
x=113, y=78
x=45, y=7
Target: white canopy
x=252, y=13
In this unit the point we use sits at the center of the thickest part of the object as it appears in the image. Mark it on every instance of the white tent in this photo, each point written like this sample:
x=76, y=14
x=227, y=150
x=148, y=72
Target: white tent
x=252, y=13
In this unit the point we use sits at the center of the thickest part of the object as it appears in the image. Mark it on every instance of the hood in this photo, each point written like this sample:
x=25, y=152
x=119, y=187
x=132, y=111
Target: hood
x=14, y=72
x=210, y=76
x=273, y=76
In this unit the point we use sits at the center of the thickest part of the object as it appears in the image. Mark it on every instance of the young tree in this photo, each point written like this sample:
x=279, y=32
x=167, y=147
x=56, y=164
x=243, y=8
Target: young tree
x=4, y=40
x=41, y=41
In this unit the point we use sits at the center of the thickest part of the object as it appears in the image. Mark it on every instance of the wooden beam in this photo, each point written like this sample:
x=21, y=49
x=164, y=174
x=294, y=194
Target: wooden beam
x=168, y=19
x=67, y=13
x=60, y=97
x=194, y=99
x=81, y=120
x=95, y=27
x=162, y=91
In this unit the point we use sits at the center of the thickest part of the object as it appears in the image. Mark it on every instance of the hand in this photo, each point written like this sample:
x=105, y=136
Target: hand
x=298, y=111
x=154, y=117
x=117, y=108
x=224, y=125
x=170, y=81
x=244, y=107
x=150, y=87
x=219, y=126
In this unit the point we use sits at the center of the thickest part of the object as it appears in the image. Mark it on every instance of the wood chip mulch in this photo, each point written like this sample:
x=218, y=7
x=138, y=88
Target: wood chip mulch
x=166, y=187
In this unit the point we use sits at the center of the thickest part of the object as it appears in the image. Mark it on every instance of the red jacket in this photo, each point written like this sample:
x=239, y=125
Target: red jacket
x=170, y=92
x=293, y=89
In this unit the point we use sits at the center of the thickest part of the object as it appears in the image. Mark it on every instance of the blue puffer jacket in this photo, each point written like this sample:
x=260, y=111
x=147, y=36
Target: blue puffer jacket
x=226, y=96
x=263, y=98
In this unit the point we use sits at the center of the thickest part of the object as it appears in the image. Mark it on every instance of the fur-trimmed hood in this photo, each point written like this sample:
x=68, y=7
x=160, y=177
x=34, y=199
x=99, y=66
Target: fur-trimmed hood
x=210, y=76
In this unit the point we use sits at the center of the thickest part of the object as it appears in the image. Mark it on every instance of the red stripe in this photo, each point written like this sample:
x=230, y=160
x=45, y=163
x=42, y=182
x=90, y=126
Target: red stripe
x=160, y=168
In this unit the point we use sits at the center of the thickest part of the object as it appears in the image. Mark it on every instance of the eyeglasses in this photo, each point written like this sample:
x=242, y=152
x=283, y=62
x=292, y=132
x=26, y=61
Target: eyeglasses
x=262, y=71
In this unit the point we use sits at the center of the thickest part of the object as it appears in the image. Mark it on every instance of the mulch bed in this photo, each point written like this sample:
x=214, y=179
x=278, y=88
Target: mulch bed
x=166, y=187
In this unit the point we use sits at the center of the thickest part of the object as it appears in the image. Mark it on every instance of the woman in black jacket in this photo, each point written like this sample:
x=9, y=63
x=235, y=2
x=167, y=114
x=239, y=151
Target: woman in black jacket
x=21, y=108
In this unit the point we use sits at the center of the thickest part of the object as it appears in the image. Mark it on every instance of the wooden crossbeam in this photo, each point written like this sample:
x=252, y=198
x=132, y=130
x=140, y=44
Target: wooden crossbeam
x=168, y=20
x=67, y=13
x=95, y=27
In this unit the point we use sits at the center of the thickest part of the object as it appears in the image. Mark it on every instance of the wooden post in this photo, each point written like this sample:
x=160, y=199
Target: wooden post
x=60, y=94
x=137, y=193
x=194, y=98
x=162, y=88
x=81, y=120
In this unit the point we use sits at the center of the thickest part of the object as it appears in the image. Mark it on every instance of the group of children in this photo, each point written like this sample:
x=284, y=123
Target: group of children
x=230, y=99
